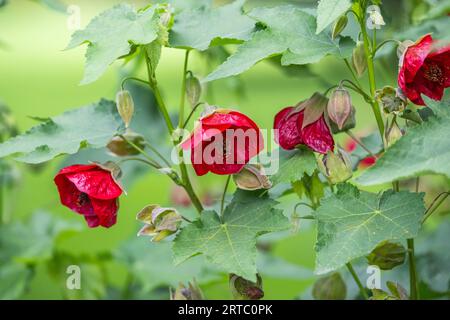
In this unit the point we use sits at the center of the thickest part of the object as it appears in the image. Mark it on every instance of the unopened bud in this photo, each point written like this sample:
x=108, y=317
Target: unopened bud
x=349, y=124
x=252, y=177
x=243, y=289
x=397, y=290
x=120, y=147
x=336, y=167
x=330, y=287
x=339, y=106
x=125, y=106
x=159, y=222
x=193, y=90
x=392, y=133
x=191, y=292
x=359, y=59
x=339, y=26
x=376, y=19
x=387, y=255
x=392, y=100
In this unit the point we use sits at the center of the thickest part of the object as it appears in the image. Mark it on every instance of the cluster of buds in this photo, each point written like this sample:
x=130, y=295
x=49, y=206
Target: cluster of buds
x=336, y=167
x=243, y=289
x=159, y=222
x=252, y=177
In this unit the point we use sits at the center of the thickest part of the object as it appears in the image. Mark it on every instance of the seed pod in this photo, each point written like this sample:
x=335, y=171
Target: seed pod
x=243, y=289
x=392, y=133
x=125, y=106
x=159, y=222
x=330, y=287
x=339, y=26
x=349, y=124
x=193, y=90
x=191, y=292
x=387, y=255
x=121, y=148
x=252, y=177
x=392, y=100
x=339, y=106
x=359, y=59
x=336, y=168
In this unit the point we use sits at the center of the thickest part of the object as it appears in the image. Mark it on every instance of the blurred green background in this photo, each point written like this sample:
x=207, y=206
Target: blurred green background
x=38, y=78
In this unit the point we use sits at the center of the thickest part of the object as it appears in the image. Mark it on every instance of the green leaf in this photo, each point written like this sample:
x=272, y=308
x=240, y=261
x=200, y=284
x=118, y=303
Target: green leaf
x=202, y=27
x=293, y=165
x=230, y=241
x=352, y=223
x=90, y=126
x=15, y=278
x=111, y=36
x=53, y=4
x=329, y=10
x=289, y=32
x=423, y=150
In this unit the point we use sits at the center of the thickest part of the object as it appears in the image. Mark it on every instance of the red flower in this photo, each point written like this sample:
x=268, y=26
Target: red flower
x=223, y=142
x=291, y=129
x=91, y=191
x=425, y=70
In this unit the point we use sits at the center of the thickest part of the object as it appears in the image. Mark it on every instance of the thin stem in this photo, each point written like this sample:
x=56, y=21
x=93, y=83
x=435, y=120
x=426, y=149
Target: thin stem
x=222, y=202
x=150, y=160
x=417, y=184
x=412, y=271
x=191, y=114
x=358, y=282
x=352, y=72
x=188, y=187
x=155, y=151
x=183, y=90
x=359, y=142
x=383, y=43
x=137, y=159
x=122, y=84
x=432, y=208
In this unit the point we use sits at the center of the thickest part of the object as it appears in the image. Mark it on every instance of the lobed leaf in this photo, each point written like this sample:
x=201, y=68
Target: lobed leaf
x=330, y=10
x=293, y=165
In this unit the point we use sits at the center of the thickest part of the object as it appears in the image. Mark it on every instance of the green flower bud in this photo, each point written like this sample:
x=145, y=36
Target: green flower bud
x=392, y=133
x=339, y=26
x=397, y=290
x=243, y=289
x=349, y=124
x=252, y=177
x=121, y=148
x=392, y=100
x=193, y=89
x=191, y=292
x=125, y=106
x=159, y=222
x=336, y=167
x=331, y=287
x=339, y=106
x=387, y=255
x=359, y=59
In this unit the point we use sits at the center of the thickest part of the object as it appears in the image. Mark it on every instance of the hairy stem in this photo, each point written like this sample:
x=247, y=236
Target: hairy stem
x=358, y=282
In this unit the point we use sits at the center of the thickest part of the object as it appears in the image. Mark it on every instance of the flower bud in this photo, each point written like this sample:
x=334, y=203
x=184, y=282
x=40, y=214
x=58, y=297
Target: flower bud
x=193, y=90
x=392, y=133
x=121, y=148
x=192, y=292
x=125, y=106
x=339, y=106
x=359, y=59
x=330, y=287
x=252, y=177
x=387, y=255
x=397, y=290
x=392, y=100
x=243, y=289
x=339, y=26
x=159, y=222
x=349, y=124
x=336, y=168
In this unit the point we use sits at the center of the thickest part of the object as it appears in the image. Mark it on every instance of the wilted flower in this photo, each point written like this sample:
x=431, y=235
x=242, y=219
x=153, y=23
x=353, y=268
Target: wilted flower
x=330, y=287
x=392, y=100
x=223, y=142
x=159, y=222
x=243, y=289
x=119, y=147
x=90, y=190
x=336, y=167
x=387, y=255
x=425, y=69
x=191, y=292
x=304, y=125
x=339, y=106
x=252, y=177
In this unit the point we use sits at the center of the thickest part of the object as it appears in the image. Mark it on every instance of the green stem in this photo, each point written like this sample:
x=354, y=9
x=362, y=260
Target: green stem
x=149, y=159
x=349, y=67
x=358, y=282
x=383, y=43
x=412, y=271
x=2, y=187
x=432, y=208
x=155, y=151
x=122, y=85
x=222, y=202
x=188, y=187
x=191, y=114
x=183, y=90
x=137, y=159
x=354, y=138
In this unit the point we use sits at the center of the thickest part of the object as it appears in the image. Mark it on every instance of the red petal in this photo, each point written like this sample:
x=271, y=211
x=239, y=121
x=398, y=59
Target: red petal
x=96, y=183
x=287, y=133
x=77, y=168
x=318, y=137
x=70, y=195
x=106, y=211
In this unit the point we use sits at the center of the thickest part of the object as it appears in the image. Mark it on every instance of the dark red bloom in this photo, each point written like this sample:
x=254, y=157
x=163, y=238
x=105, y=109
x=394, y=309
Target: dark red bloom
x=91, y=191
x=291, y=129
x=425, y=70
x=223, y=142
